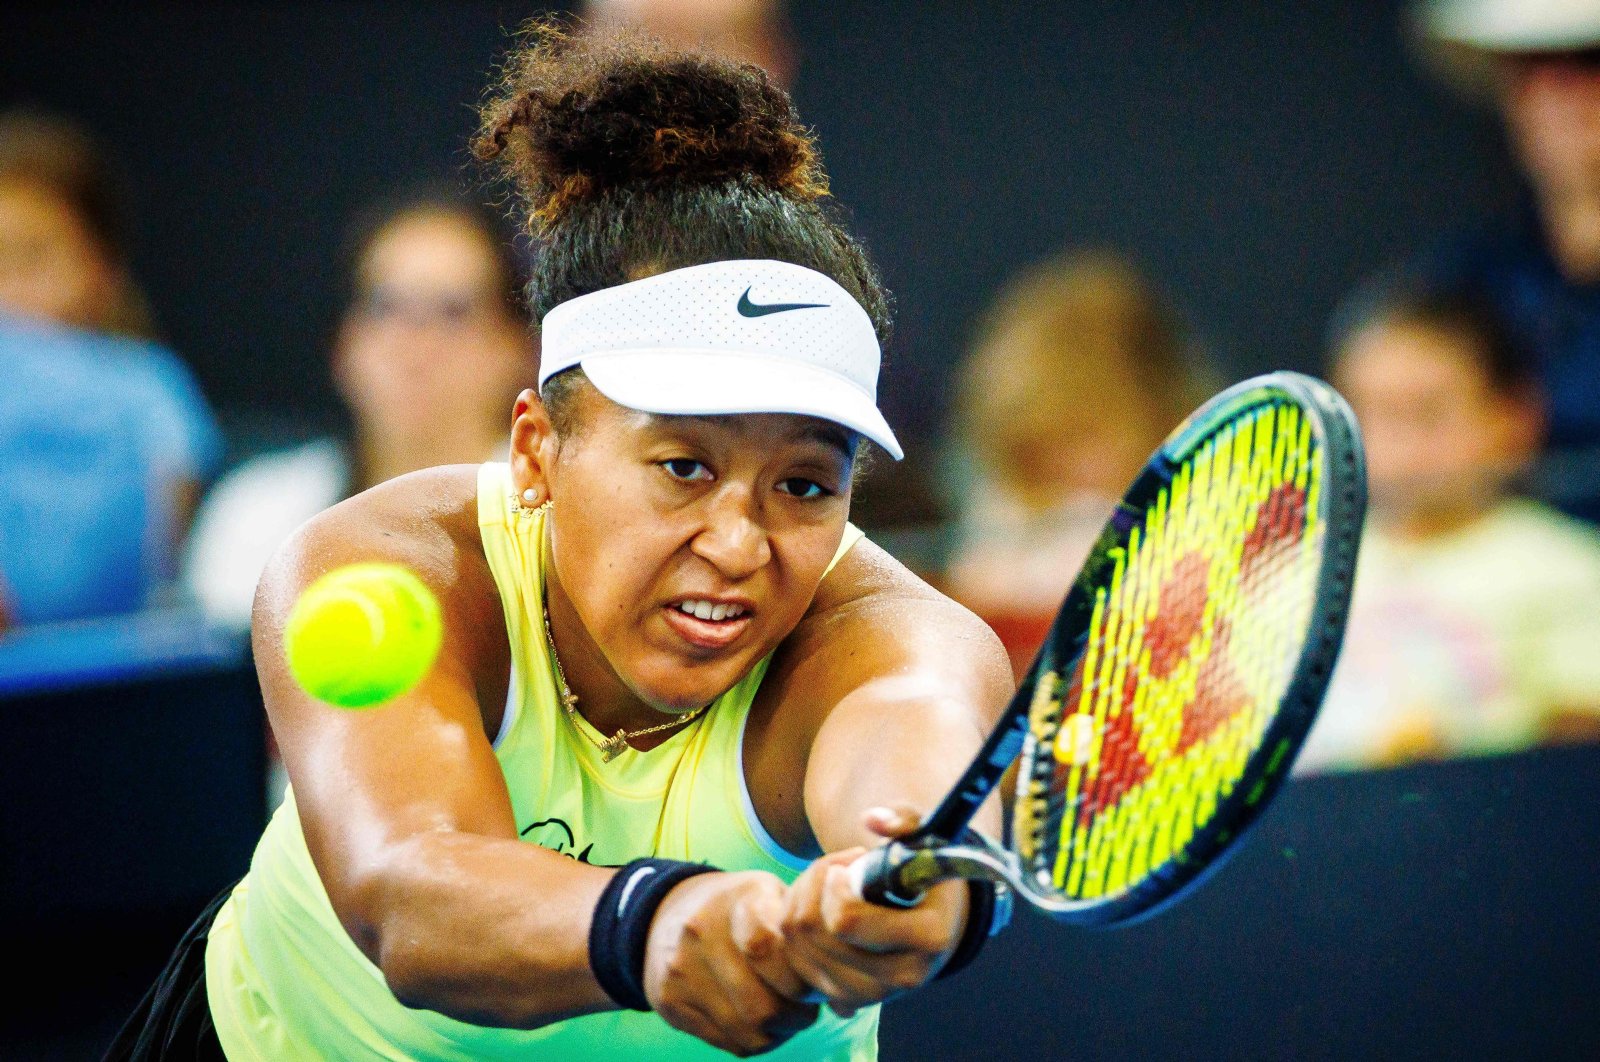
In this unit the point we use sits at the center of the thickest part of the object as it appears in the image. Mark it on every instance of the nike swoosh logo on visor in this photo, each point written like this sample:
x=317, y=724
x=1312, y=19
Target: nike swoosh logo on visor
x=755, y=309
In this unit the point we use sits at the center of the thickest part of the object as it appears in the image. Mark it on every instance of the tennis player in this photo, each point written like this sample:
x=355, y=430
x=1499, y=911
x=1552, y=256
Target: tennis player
x=678, y=693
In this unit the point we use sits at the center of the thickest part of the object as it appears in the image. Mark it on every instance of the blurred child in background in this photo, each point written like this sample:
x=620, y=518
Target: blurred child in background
x=432, y=347
x=105, y=440
x=1079, y=371
x=1476, y=621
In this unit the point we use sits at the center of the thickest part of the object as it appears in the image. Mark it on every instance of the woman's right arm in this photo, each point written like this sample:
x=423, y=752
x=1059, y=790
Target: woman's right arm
x=404, y=809
x=408, y=820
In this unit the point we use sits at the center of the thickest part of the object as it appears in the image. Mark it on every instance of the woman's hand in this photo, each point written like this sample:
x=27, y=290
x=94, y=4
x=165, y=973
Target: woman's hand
x=854, y=953
x=714, y=964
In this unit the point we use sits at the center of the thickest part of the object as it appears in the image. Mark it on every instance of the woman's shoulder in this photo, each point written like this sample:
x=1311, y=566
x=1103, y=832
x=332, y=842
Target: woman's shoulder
x=868, y=575
x=428, y=501
x=425, y=520
x=873, y=610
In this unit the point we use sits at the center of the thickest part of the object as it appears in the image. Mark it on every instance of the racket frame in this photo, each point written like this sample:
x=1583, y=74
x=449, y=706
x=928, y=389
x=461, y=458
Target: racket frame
x=898, y=873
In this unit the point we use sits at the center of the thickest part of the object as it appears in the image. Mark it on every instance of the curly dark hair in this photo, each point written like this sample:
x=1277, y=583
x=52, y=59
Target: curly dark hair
x=630, y=159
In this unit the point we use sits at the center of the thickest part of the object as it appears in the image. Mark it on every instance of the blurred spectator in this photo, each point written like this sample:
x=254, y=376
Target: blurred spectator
x=747, y=31
x=105, y=440
x=64, y=229
x=1539, y=62
x=1079, y=372
x=429, y=356
x=1476, y=621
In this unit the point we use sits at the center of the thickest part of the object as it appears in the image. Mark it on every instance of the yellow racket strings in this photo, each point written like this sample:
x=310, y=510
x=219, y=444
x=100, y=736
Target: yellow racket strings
x=1191, y=648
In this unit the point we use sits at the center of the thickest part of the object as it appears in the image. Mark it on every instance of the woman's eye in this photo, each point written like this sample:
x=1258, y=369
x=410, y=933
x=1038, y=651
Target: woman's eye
x=803, y=488
x=685, y=469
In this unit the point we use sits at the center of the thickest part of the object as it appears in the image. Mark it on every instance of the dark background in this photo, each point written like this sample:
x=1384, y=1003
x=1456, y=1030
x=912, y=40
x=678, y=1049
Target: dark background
x=1257, y=158
x=1442, y=911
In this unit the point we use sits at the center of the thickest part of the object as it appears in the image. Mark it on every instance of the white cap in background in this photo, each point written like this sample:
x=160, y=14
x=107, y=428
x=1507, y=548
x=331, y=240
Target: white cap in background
x=1513, y=25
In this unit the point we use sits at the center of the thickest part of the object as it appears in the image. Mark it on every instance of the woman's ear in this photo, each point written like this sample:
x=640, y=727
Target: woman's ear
x=533, y=449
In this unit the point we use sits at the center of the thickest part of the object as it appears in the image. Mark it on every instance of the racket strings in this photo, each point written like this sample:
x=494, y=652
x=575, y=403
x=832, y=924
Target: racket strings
x=1192, y=643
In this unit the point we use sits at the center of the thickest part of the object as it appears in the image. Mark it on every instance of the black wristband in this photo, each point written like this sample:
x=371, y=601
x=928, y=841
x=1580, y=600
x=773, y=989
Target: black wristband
x=981, y=905
x=988, y=912
x=621, y=924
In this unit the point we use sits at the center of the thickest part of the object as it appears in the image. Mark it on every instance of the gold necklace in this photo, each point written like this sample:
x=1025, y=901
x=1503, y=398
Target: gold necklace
x=613, y=746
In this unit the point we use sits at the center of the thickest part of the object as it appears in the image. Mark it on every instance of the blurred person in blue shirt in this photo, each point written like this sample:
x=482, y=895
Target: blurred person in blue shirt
x=105, y=440
x=1538, y=61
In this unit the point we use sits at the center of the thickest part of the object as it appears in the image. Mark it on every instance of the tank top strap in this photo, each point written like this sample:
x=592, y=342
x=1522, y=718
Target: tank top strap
x=513, y=544
x=852, y=535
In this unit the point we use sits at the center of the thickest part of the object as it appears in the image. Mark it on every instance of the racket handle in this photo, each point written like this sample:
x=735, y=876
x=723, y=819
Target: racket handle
x=875, y=877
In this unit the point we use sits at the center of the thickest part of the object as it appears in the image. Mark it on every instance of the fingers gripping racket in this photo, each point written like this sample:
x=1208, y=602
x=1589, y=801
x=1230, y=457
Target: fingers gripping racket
x=1180, y=676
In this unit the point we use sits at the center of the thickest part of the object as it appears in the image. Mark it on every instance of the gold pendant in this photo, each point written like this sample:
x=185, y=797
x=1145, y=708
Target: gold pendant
x=613, y=746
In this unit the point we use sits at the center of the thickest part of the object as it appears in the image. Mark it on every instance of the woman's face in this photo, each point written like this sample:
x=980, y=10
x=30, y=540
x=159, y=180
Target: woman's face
x=429, y=339
x=1056, y=432
x=655, y=517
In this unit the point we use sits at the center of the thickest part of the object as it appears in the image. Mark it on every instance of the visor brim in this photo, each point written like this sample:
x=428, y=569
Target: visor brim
x=711, y=383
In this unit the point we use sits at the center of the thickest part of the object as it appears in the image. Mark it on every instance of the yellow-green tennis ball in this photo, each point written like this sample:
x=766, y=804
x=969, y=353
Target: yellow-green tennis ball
x=363, y=634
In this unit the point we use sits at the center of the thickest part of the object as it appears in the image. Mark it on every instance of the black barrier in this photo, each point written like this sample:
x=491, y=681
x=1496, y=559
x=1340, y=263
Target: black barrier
x=131, y=787
x=1441, y=911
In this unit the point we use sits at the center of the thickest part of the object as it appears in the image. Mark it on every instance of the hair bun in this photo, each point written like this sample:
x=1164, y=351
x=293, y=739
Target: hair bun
x=577, y=116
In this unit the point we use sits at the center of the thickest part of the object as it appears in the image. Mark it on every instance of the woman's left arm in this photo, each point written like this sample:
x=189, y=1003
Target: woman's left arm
x=915, y=682
x=915, y=686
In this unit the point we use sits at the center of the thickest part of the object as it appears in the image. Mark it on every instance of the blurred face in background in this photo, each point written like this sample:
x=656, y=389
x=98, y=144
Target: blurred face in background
x=429, y=346
x=1442, y=440
x=1552, y=110
x=1054, y=433
x=746, y=31
x=51, y=265
x=1079, y=373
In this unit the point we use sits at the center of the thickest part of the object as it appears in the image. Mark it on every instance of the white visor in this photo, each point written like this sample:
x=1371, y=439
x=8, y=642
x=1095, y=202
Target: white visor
x=749, y=336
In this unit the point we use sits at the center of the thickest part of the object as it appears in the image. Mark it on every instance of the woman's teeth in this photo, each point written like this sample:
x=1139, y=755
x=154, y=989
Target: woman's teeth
x=706, y=610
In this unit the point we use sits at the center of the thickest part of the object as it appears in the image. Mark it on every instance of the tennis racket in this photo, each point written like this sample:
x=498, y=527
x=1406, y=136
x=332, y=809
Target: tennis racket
x=1180, y=676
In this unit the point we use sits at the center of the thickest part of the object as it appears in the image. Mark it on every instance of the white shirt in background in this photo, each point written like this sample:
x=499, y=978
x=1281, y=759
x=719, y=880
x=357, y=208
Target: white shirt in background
x=250, y=513
x=1461, y=645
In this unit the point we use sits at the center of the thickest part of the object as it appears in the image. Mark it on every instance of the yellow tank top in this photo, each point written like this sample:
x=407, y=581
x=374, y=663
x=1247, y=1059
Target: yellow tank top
x=286, y=982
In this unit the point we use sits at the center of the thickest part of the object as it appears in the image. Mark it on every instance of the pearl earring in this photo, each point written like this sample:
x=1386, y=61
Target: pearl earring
x=530, y=495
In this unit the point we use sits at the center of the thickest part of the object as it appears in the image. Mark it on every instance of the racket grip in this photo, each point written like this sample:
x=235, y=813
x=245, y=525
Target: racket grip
x=876, y=879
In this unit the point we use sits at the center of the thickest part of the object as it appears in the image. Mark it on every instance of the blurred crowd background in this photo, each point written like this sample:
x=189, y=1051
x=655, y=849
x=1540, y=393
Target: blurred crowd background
x=248, y=270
